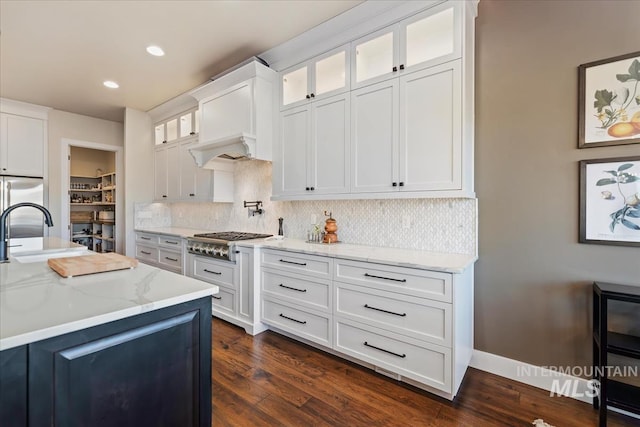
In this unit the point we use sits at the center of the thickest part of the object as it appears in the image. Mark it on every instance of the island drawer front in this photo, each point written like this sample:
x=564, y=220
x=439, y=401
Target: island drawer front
x=410, y=281
x=427, y=363
x=170, y=242
x=149, y=239
x=219, y=273
x=311, y=293
x=147, y=253
x=224, y=301
x=419, y=318
x=170, y=258
x=310, y=265
x=310, y=326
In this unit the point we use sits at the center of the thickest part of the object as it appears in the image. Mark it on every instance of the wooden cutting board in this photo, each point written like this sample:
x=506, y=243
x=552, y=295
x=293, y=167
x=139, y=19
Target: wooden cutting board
x=89, y=264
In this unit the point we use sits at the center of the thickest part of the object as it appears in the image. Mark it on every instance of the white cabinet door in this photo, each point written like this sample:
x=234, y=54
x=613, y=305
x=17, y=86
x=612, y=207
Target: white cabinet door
x=173, y=172
x=321, y=77
x=374, y=138
x=195, y=182
x=375, y=57
x=160, y=173
x=294, y=150
x=228, y=113
x=329, y=153
x=21, y=145
x=430, y=145
x=246, y=291
x=430, y=38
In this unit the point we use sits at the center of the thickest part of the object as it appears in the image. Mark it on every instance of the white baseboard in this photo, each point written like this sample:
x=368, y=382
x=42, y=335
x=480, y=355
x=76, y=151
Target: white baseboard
x=536, y=376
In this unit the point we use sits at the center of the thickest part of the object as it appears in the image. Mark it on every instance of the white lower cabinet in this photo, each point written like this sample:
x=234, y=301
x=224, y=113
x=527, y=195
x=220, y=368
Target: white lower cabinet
x=160, y=250
x=411, y=324
x=238, y=300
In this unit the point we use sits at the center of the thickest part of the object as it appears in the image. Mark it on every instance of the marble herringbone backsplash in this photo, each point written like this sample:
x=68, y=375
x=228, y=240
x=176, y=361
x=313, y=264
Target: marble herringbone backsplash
x=442, y=225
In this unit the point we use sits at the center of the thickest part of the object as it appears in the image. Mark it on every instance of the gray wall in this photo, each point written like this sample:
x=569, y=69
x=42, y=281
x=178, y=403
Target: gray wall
x=533, y=278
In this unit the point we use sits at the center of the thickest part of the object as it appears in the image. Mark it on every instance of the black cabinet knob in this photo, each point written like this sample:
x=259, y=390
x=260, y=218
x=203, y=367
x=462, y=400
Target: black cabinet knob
x=394, y=184
x=164, y=196
x=313, y=95
x=192, y=133
x=312, y=188
x=402, y=66
x=395, y=69
x=308, y=97
x=191, y=195
x=307, y=188
x=401, y=184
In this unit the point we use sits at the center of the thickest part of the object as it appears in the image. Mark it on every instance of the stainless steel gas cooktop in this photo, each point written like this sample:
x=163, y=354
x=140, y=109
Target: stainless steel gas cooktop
x=216, y=245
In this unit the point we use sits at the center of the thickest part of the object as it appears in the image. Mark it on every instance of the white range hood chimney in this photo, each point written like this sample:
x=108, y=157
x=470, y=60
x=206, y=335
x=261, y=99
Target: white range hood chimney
x=236, y=115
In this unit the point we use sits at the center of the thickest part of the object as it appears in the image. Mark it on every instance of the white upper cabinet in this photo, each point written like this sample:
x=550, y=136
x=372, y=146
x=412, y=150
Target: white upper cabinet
x=402, y=128
x=22, y=145
x=177, y=128
x=314, y=148
x=323, y=76
x=423, y=40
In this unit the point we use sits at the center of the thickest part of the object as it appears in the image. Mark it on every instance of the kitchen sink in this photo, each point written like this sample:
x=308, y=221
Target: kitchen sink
x=41, y=257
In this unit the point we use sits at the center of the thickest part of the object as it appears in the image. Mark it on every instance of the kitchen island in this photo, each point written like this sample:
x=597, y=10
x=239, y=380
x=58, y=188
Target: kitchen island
x=129, y=347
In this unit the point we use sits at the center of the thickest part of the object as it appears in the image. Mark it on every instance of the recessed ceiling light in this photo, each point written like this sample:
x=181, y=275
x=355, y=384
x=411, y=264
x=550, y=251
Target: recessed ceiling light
x=111, y=84
x=155, y=50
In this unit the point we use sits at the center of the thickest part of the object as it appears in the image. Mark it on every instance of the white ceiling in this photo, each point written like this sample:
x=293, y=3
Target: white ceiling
x=58, y=53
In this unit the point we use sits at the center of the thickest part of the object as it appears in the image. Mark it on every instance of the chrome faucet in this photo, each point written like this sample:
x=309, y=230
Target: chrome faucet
x=3, y=225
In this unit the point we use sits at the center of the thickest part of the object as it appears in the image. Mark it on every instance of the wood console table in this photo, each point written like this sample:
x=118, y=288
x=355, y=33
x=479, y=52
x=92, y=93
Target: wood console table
x=613, y=393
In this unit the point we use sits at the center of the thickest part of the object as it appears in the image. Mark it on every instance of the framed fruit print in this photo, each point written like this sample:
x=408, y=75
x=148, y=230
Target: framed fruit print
x=609, y=101
x=610, y=201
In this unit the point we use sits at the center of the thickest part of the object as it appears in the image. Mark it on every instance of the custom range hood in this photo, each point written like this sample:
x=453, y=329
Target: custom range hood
x=236, y=115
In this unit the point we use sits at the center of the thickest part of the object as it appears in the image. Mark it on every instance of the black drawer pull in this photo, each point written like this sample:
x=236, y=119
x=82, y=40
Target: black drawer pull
x=291, y=262
x=212, y=272
x=385, y=278
x=385, y=311
x=170, y=242
x=146, y=253
x=145, y=238
x=171, y=259
x=293, y=289
x=215, y=297
x=386, y=351
x=295, y=320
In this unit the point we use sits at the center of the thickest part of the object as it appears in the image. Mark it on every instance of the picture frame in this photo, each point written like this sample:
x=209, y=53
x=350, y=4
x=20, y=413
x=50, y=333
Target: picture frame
x=610, y=201
x=609, y=101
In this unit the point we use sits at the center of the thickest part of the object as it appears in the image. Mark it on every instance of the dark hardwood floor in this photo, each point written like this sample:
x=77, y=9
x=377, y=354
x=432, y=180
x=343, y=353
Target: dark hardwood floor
x=271, y=380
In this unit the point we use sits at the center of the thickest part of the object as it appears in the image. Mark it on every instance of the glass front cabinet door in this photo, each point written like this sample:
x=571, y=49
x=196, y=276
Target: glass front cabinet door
x=426, y=39
x=320, y=77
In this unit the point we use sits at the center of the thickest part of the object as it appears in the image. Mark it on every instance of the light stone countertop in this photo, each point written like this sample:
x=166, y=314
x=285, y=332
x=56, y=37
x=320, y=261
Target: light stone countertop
x=36, y=303
x=173, y=231
x=424, y=260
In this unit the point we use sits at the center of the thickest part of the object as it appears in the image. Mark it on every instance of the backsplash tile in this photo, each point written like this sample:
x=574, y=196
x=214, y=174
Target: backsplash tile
x=441, y=225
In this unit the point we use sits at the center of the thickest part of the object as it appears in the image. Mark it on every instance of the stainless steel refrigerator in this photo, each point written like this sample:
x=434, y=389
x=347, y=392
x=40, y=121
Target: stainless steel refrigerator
x=23, y=222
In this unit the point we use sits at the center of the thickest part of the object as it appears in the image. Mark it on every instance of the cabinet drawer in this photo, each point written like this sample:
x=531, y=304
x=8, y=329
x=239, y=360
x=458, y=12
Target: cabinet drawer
x=426, y=363
x=147, y=253
x=409, y=281
x=416, y=317
x=224, y=301
x=170, y=242
x=314, y=327
x=146, y=238
x=219, y=273
x=310, y=265
x=311, y=293
x=170, y=258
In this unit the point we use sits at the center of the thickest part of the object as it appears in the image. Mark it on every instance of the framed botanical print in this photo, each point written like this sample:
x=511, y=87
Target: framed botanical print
x=609, y=102
x=610, y=201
